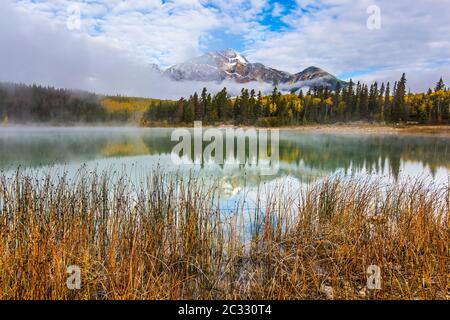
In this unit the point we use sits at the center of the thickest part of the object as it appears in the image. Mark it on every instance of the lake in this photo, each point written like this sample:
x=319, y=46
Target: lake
x=304, y=157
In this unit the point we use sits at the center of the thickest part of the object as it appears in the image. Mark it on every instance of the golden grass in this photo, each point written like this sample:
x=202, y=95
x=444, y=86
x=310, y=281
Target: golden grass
x=168, y=239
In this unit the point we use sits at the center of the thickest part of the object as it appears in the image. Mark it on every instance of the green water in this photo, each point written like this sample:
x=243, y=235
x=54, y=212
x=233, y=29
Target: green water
x=303, y=156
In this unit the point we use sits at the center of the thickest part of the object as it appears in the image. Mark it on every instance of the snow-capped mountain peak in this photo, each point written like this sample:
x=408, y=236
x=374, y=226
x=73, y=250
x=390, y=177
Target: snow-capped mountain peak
x=228, y=64
x=233, y=56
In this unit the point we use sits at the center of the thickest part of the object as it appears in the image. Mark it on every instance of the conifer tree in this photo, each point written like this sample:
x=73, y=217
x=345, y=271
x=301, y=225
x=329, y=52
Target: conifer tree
x=398, y=106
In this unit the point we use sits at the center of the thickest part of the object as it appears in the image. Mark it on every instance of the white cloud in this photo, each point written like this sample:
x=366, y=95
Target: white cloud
x=41, y=53
x=412, y=39
x=148, y=29
x=119, y=39
x=277, y=10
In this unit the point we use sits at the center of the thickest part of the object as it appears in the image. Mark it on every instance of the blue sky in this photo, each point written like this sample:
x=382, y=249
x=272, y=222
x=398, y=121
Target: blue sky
x=290, y=35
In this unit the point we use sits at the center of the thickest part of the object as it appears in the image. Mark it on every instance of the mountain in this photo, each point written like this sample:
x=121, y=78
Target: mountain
x=230, y=65
x=314, y=77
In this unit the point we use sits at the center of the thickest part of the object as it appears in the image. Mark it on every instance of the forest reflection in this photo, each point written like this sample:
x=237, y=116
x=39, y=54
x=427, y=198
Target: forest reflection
x=299, y=152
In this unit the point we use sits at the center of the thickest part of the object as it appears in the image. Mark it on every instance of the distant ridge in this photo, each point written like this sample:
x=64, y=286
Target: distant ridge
x=230, y=65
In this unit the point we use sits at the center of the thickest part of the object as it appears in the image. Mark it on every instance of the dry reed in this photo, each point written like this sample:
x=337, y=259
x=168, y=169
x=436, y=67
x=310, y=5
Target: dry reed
x=169, y=239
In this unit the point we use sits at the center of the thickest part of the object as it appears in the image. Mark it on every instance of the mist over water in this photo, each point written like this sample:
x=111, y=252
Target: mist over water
x=135, y=153
x=302, y=155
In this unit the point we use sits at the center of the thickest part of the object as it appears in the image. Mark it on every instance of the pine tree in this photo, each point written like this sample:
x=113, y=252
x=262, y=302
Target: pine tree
x=440, y=85
x=189, y=112
x=373, y=101
x=179, y=111
x=201, y=112
x=387, y=103
x=399, y=107
x=211, y=112
x=380, y=103
x=252, y=108
x=198, y=108
x=356, y=103
x=222, y=104
x=349, y=99
x=260, y=105
x=364, y=102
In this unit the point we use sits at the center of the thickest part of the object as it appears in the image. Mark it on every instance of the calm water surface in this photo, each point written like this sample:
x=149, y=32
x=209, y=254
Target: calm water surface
x=304, y=157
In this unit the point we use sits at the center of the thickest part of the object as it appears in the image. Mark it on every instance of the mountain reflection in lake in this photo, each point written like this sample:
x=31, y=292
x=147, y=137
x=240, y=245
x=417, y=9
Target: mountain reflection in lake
x=303, y=156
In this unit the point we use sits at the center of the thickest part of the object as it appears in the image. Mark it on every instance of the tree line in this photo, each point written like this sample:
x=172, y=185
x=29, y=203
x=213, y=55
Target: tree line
x=22, y=103
x=354, y=102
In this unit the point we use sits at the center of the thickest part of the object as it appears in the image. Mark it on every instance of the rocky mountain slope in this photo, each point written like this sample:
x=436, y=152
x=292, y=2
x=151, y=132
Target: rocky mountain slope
x=218, y=66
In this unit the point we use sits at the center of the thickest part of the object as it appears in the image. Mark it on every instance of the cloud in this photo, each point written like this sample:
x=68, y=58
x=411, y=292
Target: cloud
x=277, y=10
x=119, y=40
x=333, y=34
x=149, y=30
x=44, y=54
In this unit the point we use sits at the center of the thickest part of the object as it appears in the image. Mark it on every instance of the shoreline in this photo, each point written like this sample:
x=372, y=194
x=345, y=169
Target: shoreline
x=345, y=128
x=348, y=128
x=337, y=128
